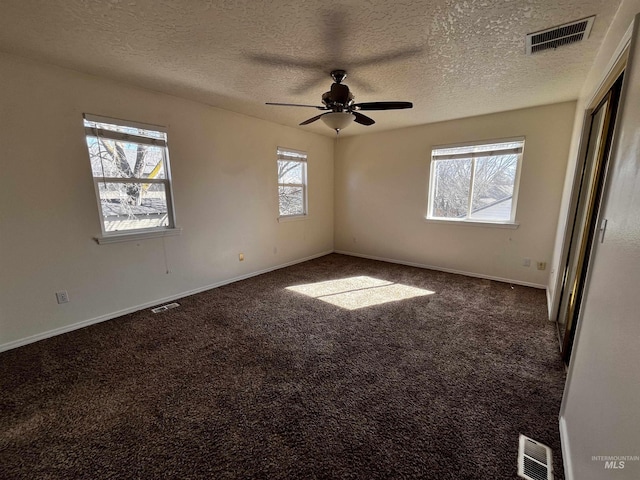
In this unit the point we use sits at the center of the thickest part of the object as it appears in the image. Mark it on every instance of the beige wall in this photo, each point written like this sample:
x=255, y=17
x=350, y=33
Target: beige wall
x=381, y=195
x=599, y=415
x=596, y=76
x=224, y=183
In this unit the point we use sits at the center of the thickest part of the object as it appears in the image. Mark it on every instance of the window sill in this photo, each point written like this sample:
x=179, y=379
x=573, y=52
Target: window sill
x=472, y=223
x=135, y=236
x=292, y=218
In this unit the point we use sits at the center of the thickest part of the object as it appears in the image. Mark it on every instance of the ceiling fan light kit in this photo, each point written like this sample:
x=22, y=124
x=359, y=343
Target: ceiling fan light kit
x=343, y=111
x=338, y=120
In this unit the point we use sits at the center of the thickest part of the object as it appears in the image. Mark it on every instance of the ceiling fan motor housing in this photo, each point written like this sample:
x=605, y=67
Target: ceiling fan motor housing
x=338, y=98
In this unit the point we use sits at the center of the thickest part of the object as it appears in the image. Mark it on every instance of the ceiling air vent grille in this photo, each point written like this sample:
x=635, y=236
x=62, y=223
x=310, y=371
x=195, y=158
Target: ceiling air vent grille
x=535, y=461
x=558, y=36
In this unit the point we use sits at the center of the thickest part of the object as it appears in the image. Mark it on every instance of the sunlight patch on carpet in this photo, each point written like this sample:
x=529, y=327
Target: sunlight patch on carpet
x=359, y=292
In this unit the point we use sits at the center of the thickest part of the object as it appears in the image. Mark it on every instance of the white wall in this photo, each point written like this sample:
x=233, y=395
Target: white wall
x=599, y=415
x=381, y=185
x=224, y=182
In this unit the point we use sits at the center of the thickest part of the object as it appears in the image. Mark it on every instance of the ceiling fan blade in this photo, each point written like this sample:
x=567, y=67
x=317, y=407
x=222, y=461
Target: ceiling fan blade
x=382, y=105
x=336, y=31
x=297, y=105
x=363, y=119
x=363, y=85
x=309, y=85
x=282, y=61
x=312, y=119
x=388, y=57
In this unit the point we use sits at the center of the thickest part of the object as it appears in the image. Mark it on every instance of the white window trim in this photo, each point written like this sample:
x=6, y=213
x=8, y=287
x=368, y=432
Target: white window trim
x=136, y=235
x=292, y=218
x=281, y=155
x=511, y=223
x=143, y=233
x=474, y=223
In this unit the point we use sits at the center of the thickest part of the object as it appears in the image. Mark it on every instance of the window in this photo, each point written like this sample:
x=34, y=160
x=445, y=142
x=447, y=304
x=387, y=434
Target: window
x=475, y=183
x=130, y=166
x=292, y=182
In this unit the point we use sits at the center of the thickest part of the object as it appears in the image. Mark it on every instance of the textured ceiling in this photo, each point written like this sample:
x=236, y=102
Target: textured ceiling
x=452, y=59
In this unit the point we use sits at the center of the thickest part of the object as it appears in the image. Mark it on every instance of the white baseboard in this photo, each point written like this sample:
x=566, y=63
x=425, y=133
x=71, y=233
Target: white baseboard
x=550, y=306
x=109, y=316
x=566, y=456
x=442, y=269
x=85, y=323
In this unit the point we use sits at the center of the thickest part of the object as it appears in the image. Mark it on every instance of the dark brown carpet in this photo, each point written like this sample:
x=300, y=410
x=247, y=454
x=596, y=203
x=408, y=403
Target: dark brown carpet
x=252, y=380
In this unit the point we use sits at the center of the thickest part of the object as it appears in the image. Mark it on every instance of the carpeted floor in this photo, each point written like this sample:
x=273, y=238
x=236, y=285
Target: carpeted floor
x=255, y=380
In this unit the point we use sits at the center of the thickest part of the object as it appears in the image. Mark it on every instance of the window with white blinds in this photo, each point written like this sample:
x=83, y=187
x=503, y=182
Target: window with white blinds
x=475, y=182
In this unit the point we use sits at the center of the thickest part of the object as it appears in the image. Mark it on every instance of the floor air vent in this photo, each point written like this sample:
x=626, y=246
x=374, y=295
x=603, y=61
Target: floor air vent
x=534, y=460
x=558, y=36
x=163, y=308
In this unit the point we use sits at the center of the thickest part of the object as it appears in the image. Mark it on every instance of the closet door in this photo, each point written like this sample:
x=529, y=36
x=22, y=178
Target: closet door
x=584, y=223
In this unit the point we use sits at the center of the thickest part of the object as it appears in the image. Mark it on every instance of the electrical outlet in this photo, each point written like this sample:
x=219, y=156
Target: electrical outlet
x=541, y=265
x=241, y=257
x=526, y=262
x=62, y=296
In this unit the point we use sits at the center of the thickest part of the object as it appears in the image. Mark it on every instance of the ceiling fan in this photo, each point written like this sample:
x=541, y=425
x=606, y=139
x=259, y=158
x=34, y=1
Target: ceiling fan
x=341, y=107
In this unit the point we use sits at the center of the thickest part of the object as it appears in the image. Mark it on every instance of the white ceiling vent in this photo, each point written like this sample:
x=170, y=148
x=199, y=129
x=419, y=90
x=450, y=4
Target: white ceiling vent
x=558, y=36
x=535, y=461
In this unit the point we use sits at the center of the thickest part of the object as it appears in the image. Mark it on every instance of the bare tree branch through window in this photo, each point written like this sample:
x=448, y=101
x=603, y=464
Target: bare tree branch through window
x=292, y=182
x=130, y=171
x=475, y=182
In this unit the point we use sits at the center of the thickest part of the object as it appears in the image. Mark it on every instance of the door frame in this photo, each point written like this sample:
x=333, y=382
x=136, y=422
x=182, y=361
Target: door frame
x=589, y=196
x=616, y=66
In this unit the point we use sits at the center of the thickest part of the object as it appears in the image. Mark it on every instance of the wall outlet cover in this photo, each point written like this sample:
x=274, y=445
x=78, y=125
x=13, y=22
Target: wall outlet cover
x=62, y=296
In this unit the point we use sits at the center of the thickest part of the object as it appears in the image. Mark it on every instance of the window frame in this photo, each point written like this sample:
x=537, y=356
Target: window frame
x=132, y=234
x=281, y=155
x=467, y=220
